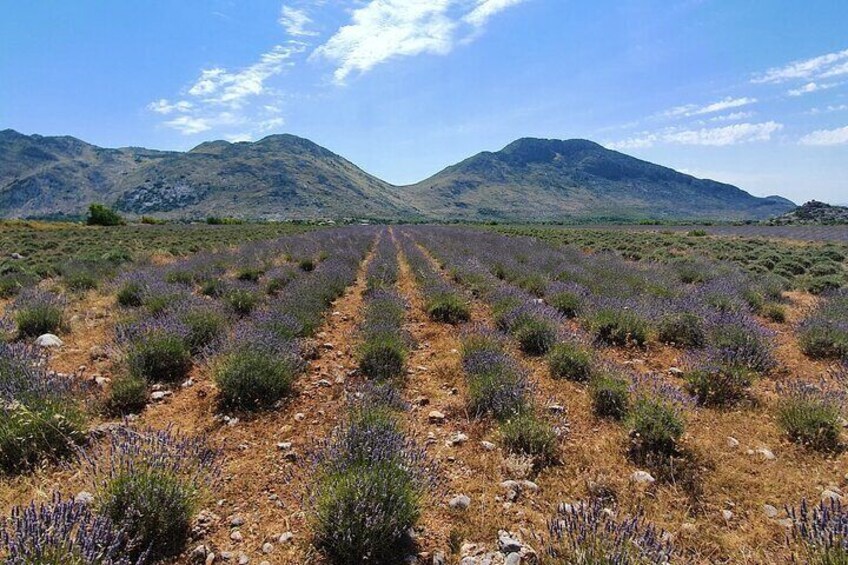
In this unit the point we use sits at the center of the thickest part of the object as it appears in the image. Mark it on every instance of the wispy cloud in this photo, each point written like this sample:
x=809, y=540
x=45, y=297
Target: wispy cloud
x=732, y=117
x=823, y=66
x=717, y=137
x=809, y=88
x=296, y=22
x=223, y=98
x=485, y=9
x=690, y=110
x=838, y=136
x=382, y=30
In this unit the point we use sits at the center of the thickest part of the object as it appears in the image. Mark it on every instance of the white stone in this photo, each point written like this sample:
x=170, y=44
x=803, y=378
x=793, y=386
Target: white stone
x=48, y=341
x=460, y=502
x=642, y=477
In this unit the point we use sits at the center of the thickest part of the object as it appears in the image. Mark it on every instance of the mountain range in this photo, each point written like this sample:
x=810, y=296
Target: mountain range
x=288, y=177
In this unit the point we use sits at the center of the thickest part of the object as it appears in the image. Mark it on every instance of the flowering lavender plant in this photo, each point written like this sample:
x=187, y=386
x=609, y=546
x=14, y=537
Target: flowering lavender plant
x=587, y=533
x=149, y=483
x=822, y=530
x=63, y=532
x=38, y=312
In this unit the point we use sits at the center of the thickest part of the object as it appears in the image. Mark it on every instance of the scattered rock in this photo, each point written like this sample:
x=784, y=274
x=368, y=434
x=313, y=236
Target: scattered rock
x=160, y=395
x=299, y=417
x=513, y=559
x=460, y=502
x=199, y=553
x=732, y=442
x=436, y=417
x=642, y=477
x=286, y=537
x=236, y=521
x=48, y=341
x=508, y=543
x=770, y=511
x=488, y=445
x=236, y=536
x=831, y=494
x=324, y=383
x=84, y=497
x=439, y=558
x=766, y=453
x=267, y=547
x=677, y=371
x=457, y=439
x=16, y=256
x=727, y=515
x=284, y=445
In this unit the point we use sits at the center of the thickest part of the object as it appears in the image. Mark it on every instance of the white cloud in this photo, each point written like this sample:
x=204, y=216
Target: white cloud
x=717, y=137
x=233, y=87
x=838, y=136
x=810, y=87
x=382, y=30
x=188, y=125
x=296, y=22
x=694, y=110
x=732, y=117
x=828, y=65
x=485, y=9
x=165, y=107
x=222, y=98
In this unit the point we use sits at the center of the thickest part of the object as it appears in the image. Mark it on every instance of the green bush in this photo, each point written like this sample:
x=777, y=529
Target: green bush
x=656, y=424
x=252, y=379
x=241, y=300
x=683, y=329
x=448, y=308
x=41, y=431
x=382, y=356
x=569, y=304
x=39, y=318
x=819, y=285
x=570, y=361
x=159, y=357
x=307, y=264
x=774, y=312
x=363, y=513
x=130, y=294
x=154, y=507
x=214, y=288
x=610, y=396
x=128, y=395
x=526, y=434
x=719, y=386
x=250, y=274
x=100, y=215
x=205, y=325
x=810, y=419
x=535, y=335
x=618, y=327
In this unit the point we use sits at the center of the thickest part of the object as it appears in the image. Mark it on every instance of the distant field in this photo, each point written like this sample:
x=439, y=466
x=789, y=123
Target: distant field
x=801, y=233
x=815, y=265
x=52, y=249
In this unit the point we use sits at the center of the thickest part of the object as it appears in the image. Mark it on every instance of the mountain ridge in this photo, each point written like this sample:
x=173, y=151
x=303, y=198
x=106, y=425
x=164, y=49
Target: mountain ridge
x=283, y=176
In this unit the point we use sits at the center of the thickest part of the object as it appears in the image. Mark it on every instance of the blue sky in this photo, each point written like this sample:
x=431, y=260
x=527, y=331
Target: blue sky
x=752, y=92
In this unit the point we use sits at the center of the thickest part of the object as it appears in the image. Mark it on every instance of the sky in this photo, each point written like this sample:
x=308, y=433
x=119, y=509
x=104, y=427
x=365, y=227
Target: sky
x=750, y=92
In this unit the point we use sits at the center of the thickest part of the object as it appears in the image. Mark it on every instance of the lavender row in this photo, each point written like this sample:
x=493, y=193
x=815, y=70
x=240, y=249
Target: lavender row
x=442, y=302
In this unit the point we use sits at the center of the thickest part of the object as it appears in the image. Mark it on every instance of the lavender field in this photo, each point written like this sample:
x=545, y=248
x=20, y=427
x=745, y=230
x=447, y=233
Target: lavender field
x=432, y=394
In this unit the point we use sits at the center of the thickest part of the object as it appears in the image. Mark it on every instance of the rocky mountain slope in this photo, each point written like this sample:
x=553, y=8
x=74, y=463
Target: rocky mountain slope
x=550, y=179
x=288, y=177
x=812, y=213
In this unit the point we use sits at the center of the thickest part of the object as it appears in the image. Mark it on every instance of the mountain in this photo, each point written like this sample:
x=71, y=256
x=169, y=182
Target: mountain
x=278, y=177
x=288, y=177
x=812, y=213
x=551, y=179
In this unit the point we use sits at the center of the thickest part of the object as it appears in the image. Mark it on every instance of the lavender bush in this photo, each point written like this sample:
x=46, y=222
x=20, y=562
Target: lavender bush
x=149, y=483
x=65, y=532
x=587, y=533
